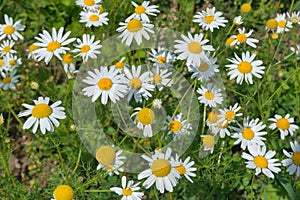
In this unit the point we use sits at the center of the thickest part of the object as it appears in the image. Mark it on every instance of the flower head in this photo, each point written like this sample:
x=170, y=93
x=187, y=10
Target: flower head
x=129, y=190
x=11, y=29
x=142, y=11
x=63, y=192
x=284, y=125
x=244, y=37
x=293, y=160
x=210, y=95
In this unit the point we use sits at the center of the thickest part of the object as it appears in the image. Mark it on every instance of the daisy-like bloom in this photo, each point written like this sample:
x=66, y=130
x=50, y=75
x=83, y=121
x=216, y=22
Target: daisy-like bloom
x=246, y=7
x=52, y=44
x=250, y=133
x=89, y=4
x=293, y=160
x=271, y=25
x=11, y=29
x=141, y=12
x=32, y=53
x=87, y=48
x=67, y=61
x=139, y=84
x=71, y=72
x=177, y=126
x=162, y=171
x=185, y=167
x=162, y=57
x=243, y=37
x=261, y=161
x=283, y=124
x=213, y=118
x=206, y=69
x=6, y=47
x=245, y=67
x=43, y=115
x=11, y=62
x=134, y=29
x=210, y=19
x=107, y=83
x=237, y=20
x=156, y=103
x=283, y=24
x=1, y=119
x=93, y=18
x=229, y=42
x=63, y=192
x=210, y=95
x=129, y=190
x=208, y=143
x=294, y=17
x=161, y=78
x=221, y=127
x=110, y=160
x=9, y=80
x=121, y=65
x=145, y=117
x=192, y=48
x=230, y=114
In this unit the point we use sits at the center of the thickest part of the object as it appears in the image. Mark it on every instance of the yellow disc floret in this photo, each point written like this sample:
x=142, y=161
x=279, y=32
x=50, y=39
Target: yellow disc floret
x=41, y=110
x=161, y=167
x=106, y=155
x=134, y=25
x=244, y=67
x=146, y=116
x=248, y=134
x=195, y=47
x=260, y=161
x=105, y=84
x=63, y=192
x=283, y=124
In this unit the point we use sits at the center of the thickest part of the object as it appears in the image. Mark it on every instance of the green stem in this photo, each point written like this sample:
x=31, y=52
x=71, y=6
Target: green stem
x=251, y=187
x=77, y=162
x=59, y=155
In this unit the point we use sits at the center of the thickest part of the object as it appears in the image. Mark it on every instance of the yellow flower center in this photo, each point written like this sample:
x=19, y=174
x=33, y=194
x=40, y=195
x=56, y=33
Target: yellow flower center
x=127, y=191
x=106, y=155
x=209, y=19
x=9, y=29
x=63, y=192
x=156, y=78
x=12, y=63
x=94, y=18
x=208, y=141
x=161, y=167
x=213, y=116
x=89, y=2
x=6, y=49
x=230, y=115
x=245, y=67
x=203, y=67
x=139, y=10
x=296, y=158
x=67, y=58
x=161, y=59
x=246, y=7
x=223, y=124
x=248, y=134
x=241, y=37
x=120, y=65
x=105, y=84
x=1, y=62
x=52, y=46
x=145, y=116
x=108, y=167
x=134, y=25
x=195, y=47
x=135, y=83
x=272, y=24
x=85, y=48
x=33, y=47
x=274, y=35
x=6, y=80
x=260, y=161
x=181, y=169
x=229, y=41
x=175, y=126
x=101, y=9
x=282, y=23
x=41, y=110
x=294, y=20
x=209, y=95
x=283, y=124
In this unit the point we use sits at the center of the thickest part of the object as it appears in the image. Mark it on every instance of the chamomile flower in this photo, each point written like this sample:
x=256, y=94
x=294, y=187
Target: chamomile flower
x=89, y=4
x=9, y=80
x=156, y=103
x=261, y=161
x=121, y=65
x=221, y=127
x=52, y=44
x=161, y=78
x=208, y=142
x=10, y=29
x=31, y=51
x=134, y=29
x=71, y=72
x=294, y=18
x=250, y=133
x=1, y=119
x=43, y=115
x=284, y=125
x=145, y=117
x=129, y=190
x=67, y=61
x=237, y=20
x=161, y=57
x=110, y=160
x=185, y=167
x=141, y=12
x=293, y=160
x=210, y=95
x=63, y=192
x=245, y=67
x=229, y=42
x=177, y=126
x=213, y=118
x=271, y=25
x=162, y=171
x=210, y=19
x=93, y=18
x=192, y=48
x=243, y=37
x=139, y=84
x=87, y=48
x=230, y=114
x=246, y=7
x=11, y=62
x=283, y=24
x=107, y=83
x=6, y=47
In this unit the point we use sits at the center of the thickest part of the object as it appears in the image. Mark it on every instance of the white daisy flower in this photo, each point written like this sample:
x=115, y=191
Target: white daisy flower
x=294, y=18
x=261, y=161
x=145, y=117
x=271, y=25
x=89, y=4
x=67, y=61
x=208, y=142
x=162, y=171
x=177, y=126
x=192, y=48
x=210, y=95
x=293, y=160
x=284, y=125
x=140, y=84
x=245, y=67
x=9, y=80
x=157, y=103
x=238, y=20
x=161, y=78
x=230, y=114
x=121, y=65
x=87, y=48
x=1, y=119
x=52, y=44
x=134, y=29
x=71, y=72
x=161, y=58
x=93, y=18
x=107, y=83
x=110, y=160
x=210, y=19
x=221, y=127
x=141, y=12
x=243, y=37
x=129, y=190
x=185, y=167
x=284, y=25
x=11, y=29
x=6, y=47
x=11, y=62
x=43, y=115
x=31, y=51
x=63, y=192
x=213, y=118
x=250, y=133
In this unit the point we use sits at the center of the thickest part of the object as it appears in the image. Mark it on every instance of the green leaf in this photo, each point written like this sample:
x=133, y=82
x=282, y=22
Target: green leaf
x=287, y=186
